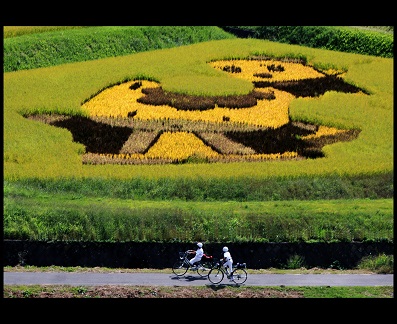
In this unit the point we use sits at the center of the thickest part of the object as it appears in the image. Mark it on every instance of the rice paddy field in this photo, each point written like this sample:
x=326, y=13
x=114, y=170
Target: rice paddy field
x=151, y=119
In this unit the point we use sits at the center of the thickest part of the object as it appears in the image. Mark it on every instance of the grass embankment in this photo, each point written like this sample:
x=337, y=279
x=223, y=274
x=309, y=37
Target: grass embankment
x=111, y=211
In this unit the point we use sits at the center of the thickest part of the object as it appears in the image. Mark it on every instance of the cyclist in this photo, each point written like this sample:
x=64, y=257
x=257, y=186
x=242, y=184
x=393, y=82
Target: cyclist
x=198, y=254
x=227, y=261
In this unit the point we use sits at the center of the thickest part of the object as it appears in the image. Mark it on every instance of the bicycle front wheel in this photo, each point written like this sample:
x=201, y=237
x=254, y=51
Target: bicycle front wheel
x=239, y=276
x=204, y=269
x=180, y=268
x=215, y=275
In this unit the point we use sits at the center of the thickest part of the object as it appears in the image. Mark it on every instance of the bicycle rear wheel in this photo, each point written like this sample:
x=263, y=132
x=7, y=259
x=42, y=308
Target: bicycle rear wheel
x=204, y=269
x=180, y=268
x=215, y=275
x=239, y=276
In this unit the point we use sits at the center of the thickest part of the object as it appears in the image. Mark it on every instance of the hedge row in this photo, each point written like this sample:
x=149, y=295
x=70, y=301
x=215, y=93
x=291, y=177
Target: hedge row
x=343, y=39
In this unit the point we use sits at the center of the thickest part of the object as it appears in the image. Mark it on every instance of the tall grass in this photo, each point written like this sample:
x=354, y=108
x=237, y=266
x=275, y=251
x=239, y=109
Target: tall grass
x=82, y=219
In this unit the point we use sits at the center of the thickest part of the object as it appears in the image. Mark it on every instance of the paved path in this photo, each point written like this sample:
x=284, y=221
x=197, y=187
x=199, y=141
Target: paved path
x=163, y=279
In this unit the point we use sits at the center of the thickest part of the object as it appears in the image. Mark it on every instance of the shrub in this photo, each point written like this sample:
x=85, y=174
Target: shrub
x=380, y=263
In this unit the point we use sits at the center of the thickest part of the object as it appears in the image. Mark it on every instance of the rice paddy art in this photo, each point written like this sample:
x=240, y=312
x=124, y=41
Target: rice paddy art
x=137, y=122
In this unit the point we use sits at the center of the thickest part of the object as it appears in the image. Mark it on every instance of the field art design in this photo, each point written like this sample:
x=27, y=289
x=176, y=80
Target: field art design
x=137, y=122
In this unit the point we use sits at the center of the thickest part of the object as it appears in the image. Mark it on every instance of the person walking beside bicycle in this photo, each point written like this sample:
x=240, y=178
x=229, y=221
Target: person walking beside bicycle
x=198, y=255
x=227, y=261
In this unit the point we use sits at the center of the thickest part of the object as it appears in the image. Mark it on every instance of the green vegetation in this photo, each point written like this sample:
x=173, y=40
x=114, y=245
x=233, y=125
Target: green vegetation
x=205, y=188
x=34, y=213
x=39, y=46
x=48, y=291
x=371, y=264
x=15, y=31
x=50, y=194
x=93, y=42
x=368, y=40
x=380, y=263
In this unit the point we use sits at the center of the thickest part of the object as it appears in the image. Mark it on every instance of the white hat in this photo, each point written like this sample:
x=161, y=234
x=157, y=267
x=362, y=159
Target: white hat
x=225, y=249
x=200, y=245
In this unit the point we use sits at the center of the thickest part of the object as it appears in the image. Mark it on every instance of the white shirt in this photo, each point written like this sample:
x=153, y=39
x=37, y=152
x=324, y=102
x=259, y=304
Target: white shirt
x=227, y=255
x=199, y=253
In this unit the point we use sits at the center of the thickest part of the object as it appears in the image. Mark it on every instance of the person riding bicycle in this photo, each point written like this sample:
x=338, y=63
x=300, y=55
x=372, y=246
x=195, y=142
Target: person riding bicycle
x=198, y=255
x=227, y=261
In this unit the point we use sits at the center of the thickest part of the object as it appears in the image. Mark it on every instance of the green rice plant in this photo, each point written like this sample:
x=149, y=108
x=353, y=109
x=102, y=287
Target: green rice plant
x=204, y=188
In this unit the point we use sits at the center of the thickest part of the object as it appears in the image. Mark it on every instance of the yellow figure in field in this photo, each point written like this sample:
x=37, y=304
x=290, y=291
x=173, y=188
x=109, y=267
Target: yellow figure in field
x=166, y=127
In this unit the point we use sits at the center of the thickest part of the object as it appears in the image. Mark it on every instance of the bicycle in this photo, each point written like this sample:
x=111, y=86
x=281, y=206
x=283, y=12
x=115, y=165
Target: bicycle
x=203, y=267
x=218, y=272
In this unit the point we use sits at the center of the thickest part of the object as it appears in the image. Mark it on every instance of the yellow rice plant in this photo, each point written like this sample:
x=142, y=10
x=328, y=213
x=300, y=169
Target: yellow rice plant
x=255, y=157
x=291, y=71
x=266, y=113
x=137, y=158
x=324, y=131
x=179, y=146
x=119, y=100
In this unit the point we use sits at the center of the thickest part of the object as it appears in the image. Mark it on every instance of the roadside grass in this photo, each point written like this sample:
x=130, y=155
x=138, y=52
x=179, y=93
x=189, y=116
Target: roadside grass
x=381, y=263
x=345, y=292
x=36, y=291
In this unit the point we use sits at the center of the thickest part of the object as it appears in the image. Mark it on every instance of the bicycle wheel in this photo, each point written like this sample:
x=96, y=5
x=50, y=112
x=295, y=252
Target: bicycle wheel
x=180, y=268
x=239, y=276
x=204, y=269
x=215, y=275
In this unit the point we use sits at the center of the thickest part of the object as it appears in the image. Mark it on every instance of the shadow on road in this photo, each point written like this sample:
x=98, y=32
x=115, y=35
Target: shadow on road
x=189, y=278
